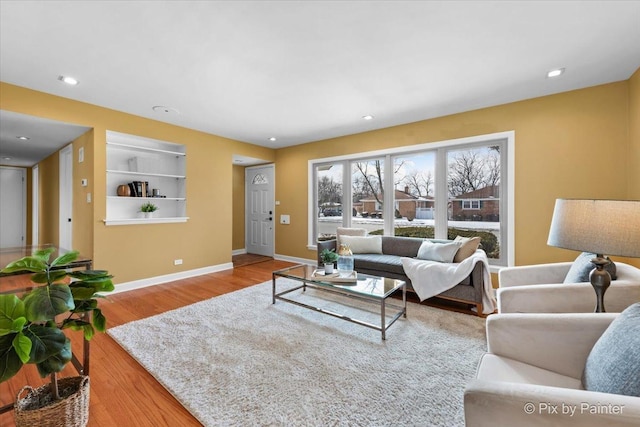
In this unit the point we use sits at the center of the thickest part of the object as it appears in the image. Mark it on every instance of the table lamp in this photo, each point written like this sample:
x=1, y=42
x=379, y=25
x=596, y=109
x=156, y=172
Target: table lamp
x=602, y=227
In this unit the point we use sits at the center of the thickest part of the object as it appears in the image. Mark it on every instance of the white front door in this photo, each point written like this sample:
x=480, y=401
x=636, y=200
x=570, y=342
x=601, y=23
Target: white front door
x=12, y=207
x=259, y=210
x=66, y=197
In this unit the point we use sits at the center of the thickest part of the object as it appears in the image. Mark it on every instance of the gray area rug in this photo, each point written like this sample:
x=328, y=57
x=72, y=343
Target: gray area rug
x=238, y=360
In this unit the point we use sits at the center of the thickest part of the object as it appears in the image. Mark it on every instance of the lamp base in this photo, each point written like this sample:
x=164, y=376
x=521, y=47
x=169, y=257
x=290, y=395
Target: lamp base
x=600, y=280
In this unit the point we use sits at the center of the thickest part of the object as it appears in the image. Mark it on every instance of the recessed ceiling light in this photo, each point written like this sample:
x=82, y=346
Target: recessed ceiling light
x=166, y=110
x=68, y=80
x=555, y=73
x=24, y=138
x=6, y=158
x=272, y=139
x=368, y=117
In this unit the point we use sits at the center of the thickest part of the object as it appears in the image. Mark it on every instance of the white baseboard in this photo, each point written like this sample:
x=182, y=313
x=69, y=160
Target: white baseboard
x=239, y=252
x=151, y=281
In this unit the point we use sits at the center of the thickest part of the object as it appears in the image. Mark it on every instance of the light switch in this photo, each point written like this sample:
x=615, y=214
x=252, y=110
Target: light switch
x=84, y=182
x=285, y=219
x=88, y=197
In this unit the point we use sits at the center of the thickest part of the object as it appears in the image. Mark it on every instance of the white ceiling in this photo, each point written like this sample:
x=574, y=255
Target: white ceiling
x=308, y=70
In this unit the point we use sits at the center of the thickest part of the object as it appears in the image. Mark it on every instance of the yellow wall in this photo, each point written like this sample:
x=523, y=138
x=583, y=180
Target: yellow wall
x=82, y=209
x=134, y=252
x=571, y=145
x=634, y=136
x=238, y=207
x=584, y=143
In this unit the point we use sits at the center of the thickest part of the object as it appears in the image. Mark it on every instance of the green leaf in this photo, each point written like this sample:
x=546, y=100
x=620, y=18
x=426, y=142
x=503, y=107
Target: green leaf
x=65, y=258
x=99, y=321
x=56, y=362
x=10, y=362
x=84, y=305
x=89, y=274
x=46, y=342
x=81, y=291
x=51, y=277
x=30, y=263
x=46, y=302
x=80, y=325
x=11, y=309
x=44, y=254
x=22, y=345
x=18, y=324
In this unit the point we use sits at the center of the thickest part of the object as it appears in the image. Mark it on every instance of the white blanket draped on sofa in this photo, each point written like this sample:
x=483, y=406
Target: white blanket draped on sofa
x=429, y=278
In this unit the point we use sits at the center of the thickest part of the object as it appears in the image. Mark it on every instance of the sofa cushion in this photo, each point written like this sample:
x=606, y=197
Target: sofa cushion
x=441, y=252
x=613, y=366
x=382, y=263
x=348, y=231
x=499, y=368
x=401, y=246
x=363, y=245
x=582, y=266
x=468, y=247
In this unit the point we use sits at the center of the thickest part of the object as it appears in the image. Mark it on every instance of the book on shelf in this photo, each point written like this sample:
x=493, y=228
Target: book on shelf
x=133, y=190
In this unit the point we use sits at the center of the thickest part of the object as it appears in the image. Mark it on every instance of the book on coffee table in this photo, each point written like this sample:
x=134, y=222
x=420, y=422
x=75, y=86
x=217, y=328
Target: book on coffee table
x=349, y=277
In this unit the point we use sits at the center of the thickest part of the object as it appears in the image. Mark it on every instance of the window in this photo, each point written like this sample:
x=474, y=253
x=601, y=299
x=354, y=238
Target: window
x=414, y=192
x=367, y=193
x=474, y=189
x=328, y=197
x=470, y=204
x=442, y=189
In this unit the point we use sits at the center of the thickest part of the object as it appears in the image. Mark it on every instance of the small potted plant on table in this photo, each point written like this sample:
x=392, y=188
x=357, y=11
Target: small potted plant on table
x=328, y=257
x=31, y=331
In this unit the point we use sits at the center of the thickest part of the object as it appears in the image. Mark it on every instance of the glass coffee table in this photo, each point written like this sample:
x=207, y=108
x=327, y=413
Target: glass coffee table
x=373, y=289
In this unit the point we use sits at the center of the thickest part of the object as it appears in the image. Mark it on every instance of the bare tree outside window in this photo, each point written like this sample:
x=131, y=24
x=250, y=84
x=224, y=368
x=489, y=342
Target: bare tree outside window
x=473, y=169
x=419, y=183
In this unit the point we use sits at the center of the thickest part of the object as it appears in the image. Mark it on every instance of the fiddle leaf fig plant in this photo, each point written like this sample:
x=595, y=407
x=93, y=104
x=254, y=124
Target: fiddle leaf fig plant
x=31, y=325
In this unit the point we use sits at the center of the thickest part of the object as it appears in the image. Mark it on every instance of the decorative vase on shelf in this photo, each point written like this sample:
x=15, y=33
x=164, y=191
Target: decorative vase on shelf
x=124, y=190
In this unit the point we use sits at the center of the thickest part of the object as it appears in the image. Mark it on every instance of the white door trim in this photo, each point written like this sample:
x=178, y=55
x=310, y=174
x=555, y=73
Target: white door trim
x=35, y=205
x=23, y=225
x=65, y=238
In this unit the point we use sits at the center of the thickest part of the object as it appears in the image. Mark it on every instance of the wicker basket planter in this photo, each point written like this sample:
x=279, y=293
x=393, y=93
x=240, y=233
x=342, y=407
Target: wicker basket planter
x=37, y=407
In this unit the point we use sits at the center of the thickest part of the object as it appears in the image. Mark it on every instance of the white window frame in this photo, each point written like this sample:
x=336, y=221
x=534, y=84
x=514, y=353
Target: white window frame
x=507, y=209
x=470, y=203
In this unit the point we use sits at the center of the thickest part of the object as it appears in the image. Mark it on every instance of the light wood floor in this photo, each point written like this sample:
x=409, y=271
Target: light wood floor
x=122, y=392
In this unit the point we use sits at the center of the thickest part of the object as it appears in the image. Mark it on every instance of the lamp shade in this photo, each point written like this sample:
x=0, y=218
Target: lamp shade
x=605, y=227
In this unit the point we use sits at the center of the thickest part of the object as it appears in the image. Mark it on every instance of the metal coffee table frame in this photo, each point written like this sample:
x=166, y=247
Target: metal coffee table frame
x=303, y=273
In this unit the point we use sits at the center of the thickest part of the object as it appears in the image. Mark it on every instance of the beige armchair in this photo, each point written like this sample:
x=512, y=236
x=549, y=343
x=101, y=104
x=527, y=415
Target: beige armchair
x=531, y=374
x=539, y=289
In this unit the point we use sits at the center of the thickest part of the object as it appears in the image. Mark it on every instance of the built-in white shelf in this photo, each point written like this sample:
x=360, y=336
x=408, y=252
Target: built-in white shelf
x=161, y=165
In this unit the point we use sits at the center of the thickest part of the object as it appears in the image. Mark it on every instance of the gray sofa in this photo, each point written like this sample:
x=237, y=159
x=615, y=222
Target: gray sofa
x=388, y=264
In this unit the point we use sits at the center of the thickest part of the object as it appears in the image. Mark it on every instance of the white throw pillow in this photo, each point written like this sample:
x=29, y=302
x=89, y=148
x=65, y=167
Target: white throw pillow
x=363, y=245
x=441, y=252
